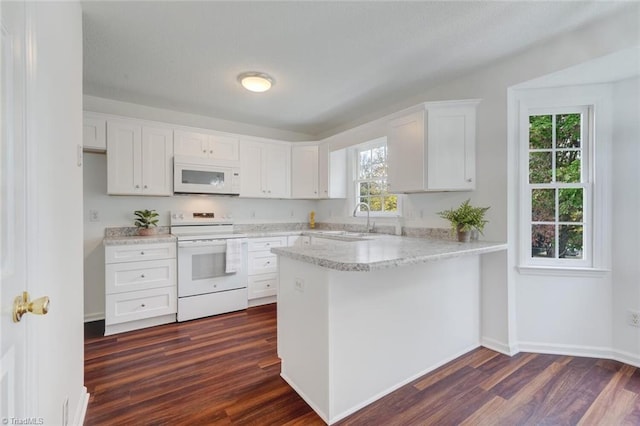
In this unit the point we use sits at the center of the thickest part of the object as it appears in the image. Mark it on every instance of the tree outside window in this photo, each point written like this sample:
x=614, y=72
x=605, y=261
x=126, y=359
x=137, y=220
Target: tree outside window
x=557, y=184
x=371, y=179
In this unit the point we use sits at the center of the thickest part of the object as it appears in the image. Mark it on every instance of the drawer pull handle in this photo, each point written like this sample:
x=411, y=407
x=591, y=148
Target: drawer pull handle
x=143, y=305
x=142, y=253
x=268, y=285
x=141, y=275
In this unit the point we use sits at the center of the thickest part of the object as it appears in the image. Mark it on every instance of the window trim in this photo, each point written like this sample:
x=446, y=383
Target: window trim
x=588, y=143
x=598, y=98
x=355, y=182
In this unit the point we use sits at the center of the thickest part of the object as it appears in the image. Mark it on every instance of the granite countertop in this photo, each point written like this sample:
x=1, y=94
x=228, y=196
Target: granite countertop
x=119, y=240
x=378, y=251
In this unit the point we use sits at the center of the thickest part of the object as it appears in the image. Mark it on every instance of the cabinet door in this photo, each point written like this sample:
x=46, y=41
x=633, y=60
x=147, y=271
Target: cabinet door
x=251, y=170
x=124, y=152
x=304, y=172
x=405, y=153
x=191, y=144
x=94, y=133
x=157, y=170
x=223, y=148
x=277, y=170
x=451, y=148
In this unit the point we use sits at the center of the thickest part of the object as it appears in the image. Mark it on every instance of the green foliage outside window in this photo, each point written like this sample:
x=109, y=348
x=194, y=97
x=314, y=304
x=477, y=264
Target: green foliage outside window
x=371, y=182
x=555, y=159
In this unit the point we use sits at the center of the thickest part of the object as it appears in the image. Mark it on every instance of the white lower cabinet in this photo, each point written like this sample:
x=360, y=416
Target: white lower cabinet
x=263, y=269
x=140, y=286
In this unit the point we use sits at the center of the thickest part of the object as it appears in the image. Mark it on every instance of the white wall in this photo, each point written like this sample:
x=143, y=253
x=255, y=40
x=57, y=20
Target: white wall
x=626, y=205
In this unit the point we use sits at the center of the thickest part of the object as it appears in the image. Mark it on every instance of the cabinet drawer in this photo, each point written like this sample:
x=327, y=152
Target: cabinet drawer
x=263, y=285
x=134, y=276
x=262, y=262
x=136, y=305
x=258, y=244
x=138, y=252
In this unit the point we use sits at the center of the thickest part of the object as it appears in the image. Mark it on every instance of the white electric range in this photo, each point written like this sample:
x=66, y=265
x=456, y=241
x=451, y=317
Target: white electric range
x=212, y=265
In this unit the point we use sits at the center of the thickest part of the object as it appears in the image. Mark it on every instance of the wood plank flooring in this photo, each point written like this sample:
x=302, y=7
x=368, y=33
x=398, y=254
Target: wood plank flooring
x=224, y=370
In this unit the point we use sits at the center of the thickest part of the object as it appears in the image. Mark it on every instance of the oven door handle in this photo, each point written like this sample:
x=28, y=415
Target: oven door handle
x=217, y=243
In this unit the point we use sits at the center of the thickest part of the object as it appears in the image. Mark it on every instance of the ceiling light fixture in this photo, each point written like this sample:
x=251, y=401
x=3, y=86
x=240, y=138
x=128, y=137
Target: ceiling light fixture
x=256, y=81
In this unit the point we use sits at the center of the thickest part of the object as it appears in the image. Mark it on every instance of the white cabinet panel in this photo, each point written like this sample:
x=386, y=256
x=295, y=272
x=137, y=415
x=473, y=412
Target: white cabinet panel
x=124, y=157
x=137, y=305
x=265, y=169
x=140, y=286
x=266, y=243
x=202, y=145
x=263, y=285
x=134, y=276
x=94, y=132
x=433, y=149
x=191, y=144
x=157, y=152
x=138, y=159
x=304, y=171
x=332, y=172
x=262, y=262
x=139, y=252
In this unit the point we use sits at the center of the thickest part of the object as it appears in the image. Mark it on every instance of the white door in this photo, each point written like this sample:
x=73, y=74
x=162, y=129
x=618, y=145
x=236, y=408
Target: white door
x=13, y=266
x=41, y=211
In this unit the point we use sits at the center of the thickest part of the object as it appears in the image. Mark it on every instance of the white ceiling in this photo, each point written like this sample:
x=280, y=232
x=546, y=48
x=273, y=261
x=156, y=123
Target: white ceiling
x=333, y=62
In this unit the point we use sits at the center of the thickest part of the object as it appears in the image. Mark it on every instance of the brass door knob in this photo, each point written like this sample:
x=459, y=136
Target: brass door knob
x=22, y=305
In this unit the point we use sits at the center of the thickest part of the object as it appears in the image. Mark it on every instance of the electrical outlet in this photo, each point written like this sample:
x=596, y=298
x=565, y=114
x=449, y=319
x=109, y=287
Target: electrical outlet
x=299, y=285
x=94, y=215
x=633, y=318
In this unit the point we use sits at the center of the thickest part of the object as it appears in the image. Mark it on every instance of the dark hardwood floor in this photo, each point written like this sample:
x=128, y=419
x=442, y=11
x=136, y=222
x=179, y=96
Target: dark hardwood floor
x=224, y=370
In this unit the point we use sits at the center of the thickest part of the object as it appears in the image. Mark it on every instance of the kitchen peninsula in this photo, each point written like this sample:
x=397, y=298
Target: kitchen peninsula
x=360, y=316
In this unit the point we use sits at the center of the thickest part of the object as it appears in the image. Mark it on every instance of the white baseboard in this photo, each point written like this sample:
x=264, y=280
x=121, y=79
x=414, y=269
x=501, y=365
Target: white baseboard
x=583, y=351
x=627, y=358
x=497, y=346
x=96, y=316
x=81, y=409
x=263, y=301
x=570, y=350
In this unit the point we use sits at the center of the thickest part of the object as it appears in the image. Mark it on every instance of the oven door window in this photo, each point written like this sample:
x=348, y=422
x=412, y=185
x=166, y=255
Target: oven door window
x=207, y=266
x=201, y=177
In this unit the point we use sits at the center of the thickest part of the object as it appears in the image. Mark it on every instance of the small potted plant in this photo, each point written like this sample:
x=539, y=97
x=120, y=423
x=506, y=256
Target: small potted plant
x=464, y=219
x=146, y=221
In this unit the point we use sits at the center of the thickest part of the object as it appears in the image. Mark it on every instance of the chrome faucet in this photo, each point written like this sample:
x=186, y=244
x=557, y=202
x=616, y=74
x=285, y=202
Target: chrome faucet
x=355, y=210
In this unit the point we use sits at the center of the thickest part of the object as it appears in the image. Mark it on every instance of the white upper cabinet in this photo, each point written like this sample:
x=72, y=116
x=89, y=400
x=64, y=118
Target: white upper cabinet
x=138, y=159
x=433, y=149
x=304, y=171
x=265, y=169
x=94, y=132
x=214, y=147
x=332, y=172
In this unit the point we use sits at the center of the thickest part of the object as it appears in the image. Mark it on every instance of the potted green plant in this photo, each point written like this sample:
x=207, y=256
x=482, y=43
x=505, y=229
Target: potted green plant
x=146, y=221
x=464, y=219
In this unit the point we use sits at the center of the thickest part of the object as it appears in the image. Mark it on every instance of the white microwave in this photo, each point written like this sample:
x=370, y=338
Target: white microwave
x=192, y=175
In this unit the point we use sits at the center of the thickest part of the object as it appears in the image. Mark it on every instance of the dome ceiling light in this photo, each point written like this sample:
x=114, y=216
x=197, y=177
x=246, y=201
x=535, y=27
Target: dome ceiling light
x=256, y=81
